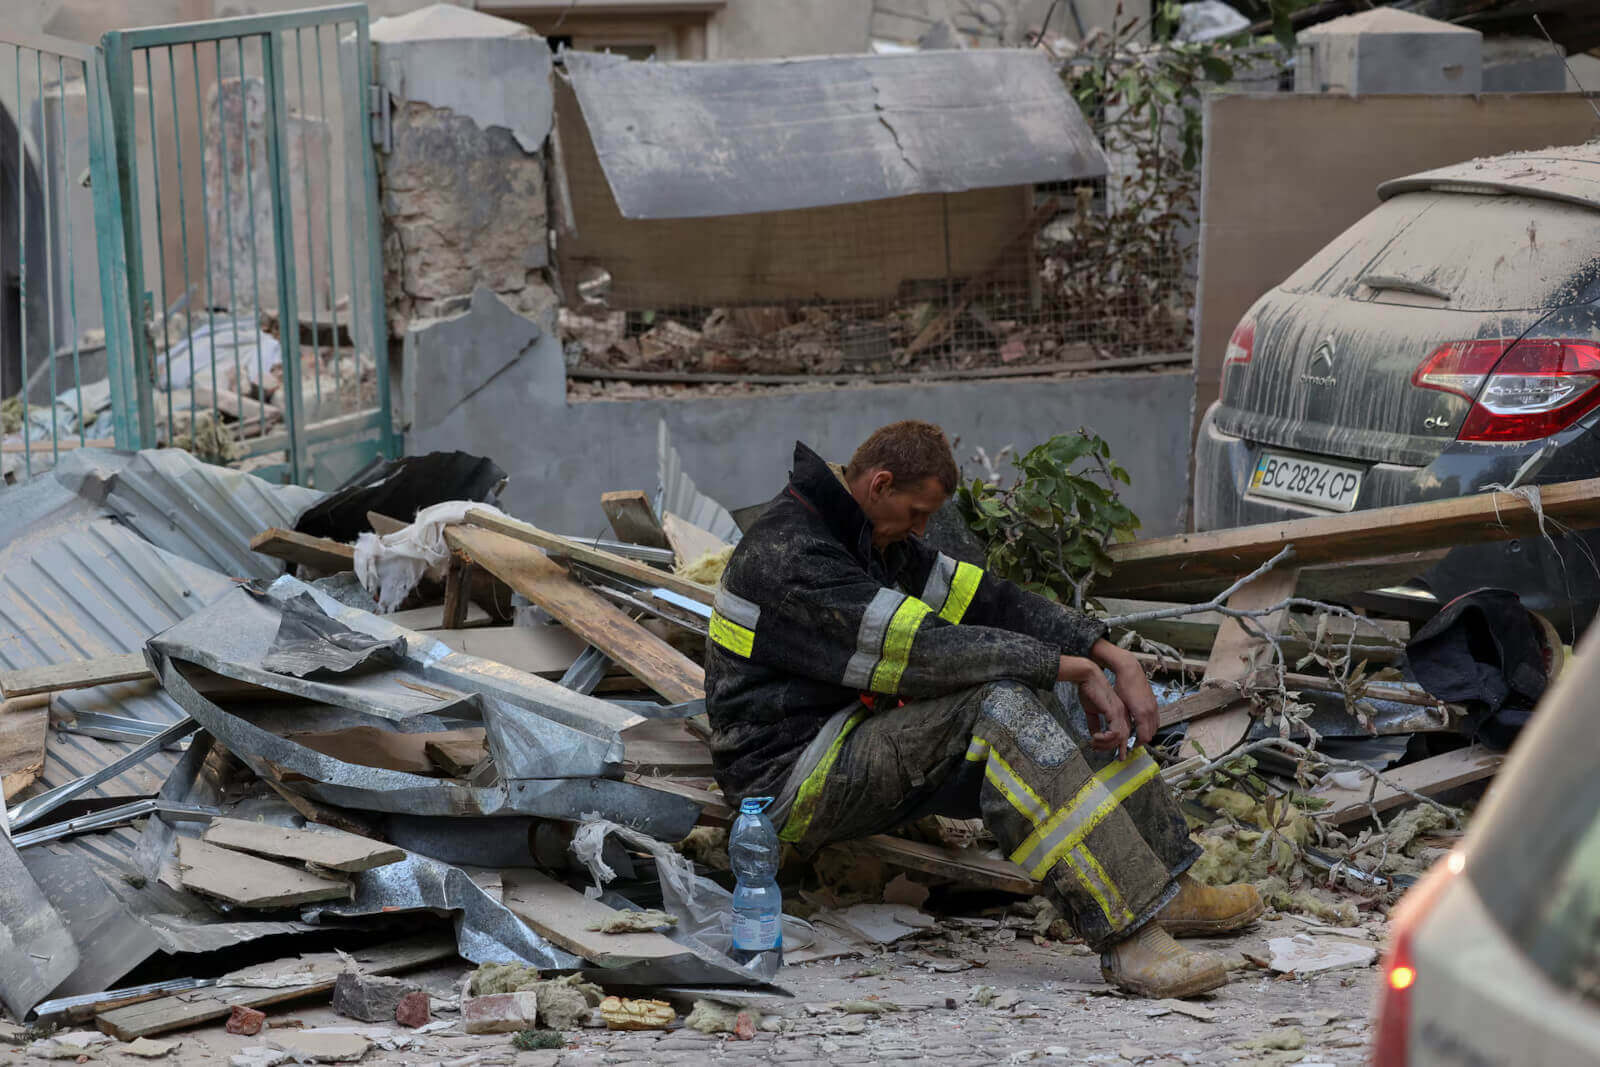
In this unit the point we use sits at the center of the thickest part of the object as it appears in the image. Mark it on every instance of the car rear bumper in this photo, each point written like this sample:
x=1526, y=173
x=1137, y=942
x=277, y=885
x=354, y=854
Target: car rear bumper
x=1478, y=1000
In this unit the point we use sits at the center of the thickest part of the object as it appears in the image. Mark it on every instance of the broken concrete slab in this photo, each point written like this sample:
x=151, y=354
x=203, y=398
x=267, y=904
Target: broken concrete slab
x=315, y=1046
x=1303, y=954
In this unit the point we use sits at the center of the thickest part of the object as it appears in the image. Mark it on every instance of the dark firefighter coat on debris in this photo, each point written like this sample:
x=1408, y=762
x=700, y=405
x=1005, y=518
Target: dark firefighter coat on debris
x=865, y=688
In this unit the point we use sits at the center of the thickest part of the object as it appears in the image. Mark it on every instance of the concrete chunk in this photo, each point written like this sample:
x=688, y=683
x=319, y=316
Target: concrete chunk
x=371, y=998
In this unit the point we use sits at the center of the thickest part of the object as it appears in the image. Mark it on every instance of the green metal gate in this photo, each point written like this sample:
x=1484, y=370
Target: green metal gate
x=237, y=233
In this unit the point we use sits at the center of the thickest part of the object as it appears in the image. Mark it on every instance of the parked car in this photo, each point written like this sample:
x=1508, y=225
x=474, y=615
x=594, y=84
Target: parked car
x=1494, y=957
x=1447, y=342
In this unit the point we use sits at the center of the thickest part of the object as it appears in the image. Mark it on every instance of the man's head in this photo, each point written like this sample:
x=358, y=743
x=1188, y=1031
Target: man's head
x=900, y=476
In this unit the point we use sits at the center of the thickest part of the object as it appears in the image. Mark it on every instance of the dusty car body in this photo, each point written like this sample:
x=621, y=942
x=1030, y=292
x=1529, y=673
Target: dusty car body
x=1447, y=342
x=1494, y=958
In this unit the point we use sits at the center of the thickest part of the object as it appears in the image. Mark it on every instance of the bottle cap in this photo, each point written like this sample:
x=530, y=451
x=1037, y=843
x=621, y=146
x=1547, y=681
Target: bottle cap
x=754, y=805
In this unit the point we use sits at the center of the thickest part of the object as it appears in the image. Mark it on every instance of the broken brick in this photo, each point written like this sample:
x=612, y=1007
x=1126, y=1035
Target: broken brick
x=500, y=1013
x=371, y=998
x=245, y=1021
x=413, y=1010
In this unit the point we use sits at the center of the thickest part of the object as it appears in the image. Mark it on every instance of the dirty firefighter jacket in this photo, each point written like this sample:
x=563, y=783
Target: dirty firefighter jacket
x=809, y=617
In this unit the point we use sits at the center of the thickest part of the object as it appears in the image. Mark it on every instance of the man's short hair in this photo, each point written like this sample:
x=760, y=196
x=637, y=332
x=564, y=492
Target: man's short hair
x=911, y=451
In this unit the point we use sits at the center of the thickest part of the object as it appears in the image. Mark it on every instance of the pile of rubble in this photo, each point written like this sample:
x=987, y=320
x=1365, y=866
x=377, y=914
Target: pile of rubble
x=449, y=733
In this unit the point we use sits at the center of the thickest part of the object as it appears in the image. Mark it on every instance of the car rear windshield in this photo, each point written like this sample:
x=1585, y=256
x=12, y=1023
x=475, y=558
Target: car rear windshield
x=1462, y=251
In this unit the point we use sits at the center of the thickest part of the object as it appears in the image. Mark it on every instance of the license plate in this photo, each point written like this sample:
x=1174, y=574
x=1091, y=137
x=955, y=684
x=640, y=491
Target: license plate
x=1330, y=486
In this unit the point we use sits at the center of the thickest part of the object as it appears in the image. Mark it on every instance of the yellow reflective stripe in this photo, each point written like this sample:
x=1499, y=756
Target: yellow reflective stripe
x=805, y=802
x=1104, y=890
x=1099, y=796
x=1011, y=786
x=962, y=589
x=731, y=636
x=897, y=645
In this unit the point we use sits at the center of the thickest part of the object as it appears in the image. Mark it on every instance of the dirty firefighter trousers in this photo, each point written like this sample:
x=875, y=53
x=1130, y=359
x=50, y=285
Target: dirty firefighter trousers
x=1102, y=834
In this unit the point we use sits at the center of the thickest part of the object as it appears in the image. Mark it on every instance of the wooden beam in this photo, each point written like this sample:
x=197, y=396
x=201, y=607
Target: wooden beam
x=562, y=915
x=331, y=849
x=966, y=866
x=583, y=611
x=457, y=586
x=24, y=728
x=1428, y=777
x=633, y=519
x=78, y=674
x=183, y=1010
x=591, y=557
x=690, y=542
x=250, y=882
x=318, y=553
x=1219, y=557
x=1233, y=660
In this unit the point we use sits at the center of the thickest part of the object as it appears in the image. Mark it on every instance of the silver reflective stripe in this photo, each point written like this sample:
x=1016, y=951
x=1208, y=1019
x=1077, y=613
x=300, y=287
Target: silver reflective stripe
x=778, y=811
x=937, y=589
x=1097, y=799
x=869, y=638
x=737, y=609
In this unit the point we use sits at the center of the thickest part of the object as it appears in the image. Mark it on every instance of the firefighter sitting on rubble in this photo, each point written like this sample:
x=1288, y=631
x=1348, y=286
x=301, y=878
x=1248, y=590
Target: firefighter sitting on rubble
x=865, y=680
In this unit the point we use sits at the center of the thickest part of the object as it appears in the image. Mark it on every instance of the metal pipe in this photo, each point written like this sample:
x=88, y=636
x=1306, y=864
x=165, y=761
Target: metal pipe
x=35, y=808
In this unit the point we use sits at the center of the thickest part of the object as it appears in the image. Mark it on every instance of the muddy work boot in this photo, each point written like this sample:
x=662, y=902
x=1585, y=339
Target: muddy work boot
x=1202, y=910
x=1151, y=964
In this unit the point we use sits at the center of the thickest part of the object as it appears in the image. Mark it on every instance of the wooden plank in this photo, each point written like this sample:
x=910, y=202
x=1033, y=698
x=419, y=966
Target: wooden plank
x=332, y=849
x=362, y=824
x=1428, y=777
x=560, y=546
x=1089, y=363
x=456, y=758
x=1222, y=556
x=691, y=758
x=78, y=674
x=562, y=915
x=535, y=649
x=583, y=611
x=184, y=1010
x=633, y=519
x=714, y=810
x=457, y=586
x=690, y=542
x=318, y=553
x=24, y=728
x=250, y=882
x=967, y=866
x=1232, y=660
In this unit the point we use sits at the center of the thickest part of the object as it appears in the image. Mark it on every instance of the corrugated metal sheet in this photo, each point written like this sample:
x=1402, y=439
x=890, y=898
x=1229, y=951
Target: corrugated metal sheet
x=677, y=493
x=96, y=589
x=691, y=140
x=204, y=513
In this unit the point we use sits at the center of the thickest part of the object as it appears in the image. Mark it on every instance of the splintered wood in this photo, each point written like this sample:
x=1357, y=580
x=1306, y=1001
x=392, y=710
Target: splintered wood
x=530, y=572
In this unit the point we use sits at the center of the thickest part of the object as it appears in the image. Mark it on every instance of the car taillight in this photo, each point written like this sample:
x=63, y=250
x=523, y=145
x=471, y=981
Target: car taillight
x=1400, y=967
x=1521, y=390
x=1241, y=345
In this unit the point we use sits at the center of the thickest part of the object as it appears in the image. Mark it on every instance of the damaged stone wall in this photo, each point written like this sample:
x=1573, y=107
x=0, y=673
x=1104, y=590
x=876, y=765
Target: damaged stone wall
x=462, y=173
x=462, y=206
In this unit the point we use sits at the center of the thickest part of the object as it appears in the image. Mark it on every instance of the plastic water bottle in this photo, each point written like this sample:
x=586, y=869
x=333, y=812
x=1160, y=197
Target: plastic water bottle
x=757, y=902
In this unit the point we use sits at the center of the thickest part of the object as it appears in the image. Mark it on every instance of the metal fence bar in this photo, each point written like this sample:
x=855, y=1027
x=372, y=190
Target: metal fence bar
x=227, y=214
x=327, y=204
x=311, y=244
x=183, y=238
x=22, y=272
x=161, y=234
x=369, y=181
x=49, y=261
x=356, y=302
x=205, y=229
x=119, y=68
x=283, y=241
x=255, y=256
x=110, y=252
x=243, y=26
x=72, y=263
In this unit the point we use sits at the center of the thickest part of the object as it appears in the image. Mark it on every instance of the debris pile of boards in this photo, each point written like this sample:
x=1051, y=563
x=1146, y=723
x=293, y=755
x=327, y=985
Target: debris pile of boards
x=213, y=734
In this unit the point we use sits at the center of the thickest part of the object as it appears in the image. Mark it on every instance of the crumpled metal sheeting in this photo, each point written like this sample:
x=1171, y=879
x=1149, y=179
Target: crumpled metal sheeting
x=36, y=951
x=95, y=589
x=677, y=493
x=546, y=769
x=202, y=512
x=486, y=930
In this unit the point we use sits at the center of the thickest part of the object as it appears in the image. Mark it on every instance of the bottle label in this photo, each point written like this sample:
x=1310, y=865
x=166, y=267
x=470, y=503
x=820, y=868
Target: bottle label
x=756, y=933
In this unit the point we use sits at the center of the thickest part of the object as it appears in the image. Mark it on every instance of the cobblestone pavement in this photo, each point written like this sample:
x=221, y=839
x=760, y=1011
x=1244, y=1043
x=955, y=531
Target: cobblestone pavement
x=1048, y=1005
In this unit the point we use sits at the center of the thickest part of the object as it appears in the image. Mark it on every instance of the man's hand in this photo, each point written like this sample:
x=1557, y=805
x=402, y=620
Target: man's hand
x=1100, y=703
x=1132, y=687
